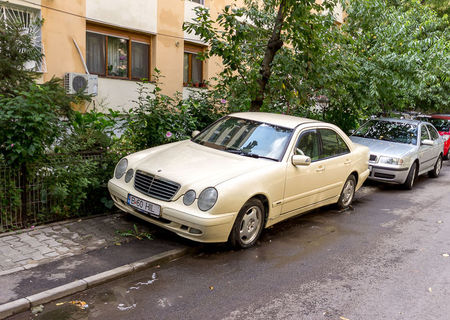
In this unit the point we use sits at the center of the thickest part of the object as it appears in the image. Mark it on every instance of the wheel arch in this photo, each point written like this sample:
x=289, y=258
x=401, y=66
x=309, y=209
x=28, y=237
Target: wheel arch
x=265, y=201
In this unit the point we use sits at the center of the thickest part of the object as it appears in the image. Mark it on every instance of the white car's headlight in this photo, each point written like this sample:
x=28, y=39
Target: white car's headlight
x=207, y=199
x=390, y=160
x=121, y=168
x=189, y=197
x=446, y=137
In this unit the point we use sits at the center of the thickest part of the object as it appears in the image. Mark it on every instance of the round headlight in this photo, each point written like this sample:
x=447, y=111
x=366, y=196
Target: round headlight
x=207, y=199
x=129, y=175
x=189, y=197
x=121, y=168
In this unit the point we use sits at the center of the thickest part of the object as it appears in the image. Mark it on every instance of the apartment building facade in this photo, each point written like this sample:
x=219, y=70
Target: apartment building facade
x=120, y=43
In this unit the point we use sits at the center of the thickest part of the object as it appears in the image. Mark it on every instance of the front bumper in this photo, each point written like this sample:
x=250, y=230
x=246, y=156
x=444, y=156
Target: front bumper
x=388, y=174
x=213, y=228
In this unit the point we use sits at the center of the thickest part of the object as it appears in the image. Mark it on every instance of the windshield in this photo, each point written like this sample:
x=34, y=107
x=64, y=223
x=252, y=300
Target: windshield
x=246, y=138
x=389, y=130
x=440, y=124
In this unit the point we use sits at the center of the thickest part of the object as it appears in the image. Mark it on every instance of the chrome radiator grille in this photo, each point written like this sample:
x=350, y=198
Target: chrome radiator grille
x=155, y=187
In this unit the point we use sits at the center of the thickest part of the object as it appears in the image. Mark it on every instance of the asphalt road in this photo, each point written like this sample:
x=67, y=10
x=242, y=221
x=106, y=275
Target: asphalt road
x=384, y=259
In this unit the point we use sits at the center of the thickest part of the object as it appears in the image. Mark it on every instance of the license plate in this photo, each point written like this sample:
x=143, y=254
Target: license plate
x=144, y=206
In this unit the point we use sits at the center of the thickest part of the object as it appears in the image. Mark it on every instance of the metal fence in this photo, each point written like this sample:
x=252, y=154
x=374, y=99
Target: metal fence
x=29, y=200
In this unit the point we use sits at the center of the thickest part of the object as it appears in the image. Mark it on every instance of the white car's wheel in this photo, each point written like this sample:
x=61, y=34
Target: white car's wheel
x=347, y=193
x=437, y=168
x=248, y=225
x=409, y=183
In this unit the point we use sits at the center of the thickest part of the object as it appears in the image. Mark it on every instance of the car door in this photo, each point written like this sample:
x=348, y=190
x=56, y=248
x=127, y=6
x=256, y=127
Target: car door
x=426, y=152
x=322, y=180
x=337, y=161
x=434, y=135
x=302, y=182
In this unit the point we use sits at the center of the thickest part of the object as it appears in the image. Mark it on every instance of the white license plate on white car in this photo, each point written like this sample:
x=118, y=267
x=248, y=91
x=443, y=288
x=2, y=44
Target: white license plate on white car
x=144, y=206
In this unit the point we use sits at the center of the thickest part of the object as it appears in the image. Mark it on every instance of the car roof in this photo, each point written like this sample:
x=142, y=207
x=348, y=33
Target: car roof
x=409, y=121
x=281, y=120
x=440, y=116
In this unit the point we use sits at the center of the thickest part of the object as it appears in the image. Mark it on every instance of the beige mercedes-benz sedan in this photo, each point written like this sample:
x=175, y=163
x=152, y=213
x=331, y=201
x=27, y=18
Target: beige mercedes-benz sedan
x=244, y=173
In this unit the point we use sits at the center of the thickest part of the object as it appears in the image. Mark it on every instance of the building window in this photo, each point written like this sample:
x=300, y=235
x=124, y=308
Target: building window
x=202, y=2
x=124, y=56
x=28, y=20
x=192, y=66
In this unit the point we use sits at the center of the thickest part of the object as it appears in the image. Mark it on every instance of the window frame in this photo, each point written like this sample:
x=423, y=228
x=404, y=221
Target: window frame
x=320, y=142
x=131, y=37
x=200, y=2
x=191, y=50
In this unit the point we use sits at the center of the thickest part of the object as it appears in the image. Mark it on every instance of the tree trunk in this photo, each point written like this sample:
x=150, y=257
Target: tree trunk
x=275, y=43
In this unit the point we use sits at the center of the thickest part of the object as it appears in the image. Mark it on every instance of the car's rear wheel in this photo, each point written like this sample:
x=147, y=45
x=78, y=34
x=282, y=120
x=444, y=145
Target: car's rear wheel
x=409, y=183
x=437, y=168
x=347, y=193
x=248, y=224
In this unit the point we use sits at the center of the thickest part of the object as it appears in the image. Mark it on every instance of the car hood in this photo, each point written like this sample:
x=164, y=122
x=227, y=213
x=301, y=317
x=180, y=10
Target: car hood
x=387, y=148
x=194, y=165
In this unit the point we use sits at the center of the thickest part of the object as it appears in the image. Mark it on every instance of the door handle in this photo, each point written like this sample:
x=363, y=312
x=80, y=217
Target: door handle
x=348, y=161
x=320, y=169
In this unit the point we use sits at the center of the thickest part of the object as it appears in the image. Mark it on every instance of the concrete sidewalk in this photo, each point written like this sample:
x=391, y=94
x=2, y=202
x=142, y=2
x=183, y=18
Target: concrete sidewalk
x=45, y=261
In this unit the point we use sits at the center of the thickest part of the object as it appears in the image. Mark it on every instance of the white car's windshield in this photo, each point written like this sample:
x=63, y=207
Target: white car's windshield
x=394, y=131
x=246, y=138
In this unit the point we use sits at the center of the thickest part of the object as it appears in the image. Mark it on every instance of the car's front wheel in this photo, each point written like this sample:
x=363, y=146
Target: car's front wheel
x=347, y=193
x=248, y=225
x=409, y=183
x=437, y=168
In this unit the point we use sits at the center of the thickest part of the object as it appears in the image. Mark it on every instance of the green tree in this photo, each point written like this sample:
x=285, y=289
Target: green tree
x=400, y=55
x=272, y=50
x=17, y=47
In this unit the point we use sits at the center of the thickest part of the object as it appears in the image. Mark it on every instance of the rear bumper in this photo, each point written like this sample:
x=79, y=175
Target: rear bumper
x=200, y=227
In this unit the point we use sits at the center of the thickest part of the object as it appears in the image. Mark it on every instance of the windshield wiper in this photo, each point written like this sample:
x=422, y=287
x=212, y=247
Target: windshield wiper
x=247, y=154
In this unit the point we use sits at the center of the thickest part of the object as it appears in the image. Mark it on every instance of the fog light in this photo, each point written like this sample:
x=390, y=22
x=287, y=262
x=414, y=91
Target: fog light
x=195, y=231
x=129, y=175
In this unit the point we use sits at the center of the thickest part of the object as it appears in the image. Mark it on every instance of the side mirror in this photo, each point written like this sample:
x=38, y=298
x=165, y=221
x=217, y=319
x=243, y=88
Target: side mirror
x=298, y=160
x=427, y=142
x=195, y=133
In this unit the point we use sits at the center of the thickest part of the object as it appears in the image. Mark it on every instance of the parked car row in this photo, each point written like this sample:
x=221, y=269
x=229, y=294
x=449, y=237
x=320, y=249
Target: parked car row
x=248, y=171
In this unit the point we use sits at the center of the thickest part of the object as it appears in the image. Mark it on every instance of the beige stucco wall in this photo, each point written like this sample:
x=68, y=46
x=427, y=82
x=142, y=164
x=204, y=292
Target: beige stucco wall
x=116, y=94
x=134, y=15
x=169, y=45
x=58, y=32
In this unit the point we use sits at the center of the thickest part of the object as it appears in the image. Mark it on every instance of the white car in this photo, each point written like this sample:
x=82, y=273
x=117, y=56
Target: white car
x=245, y=172
x=400, y=150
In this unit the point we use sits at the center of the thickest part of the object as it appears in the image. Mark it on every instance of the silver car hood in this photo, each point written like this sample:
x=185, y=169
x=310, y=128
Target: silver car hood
x=386, y=148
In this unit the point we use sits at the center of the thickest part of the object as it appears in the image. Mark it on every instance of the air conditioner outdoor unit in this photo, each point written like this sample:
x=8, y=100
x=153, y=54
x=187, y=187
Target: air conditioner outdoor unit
x=81, y=83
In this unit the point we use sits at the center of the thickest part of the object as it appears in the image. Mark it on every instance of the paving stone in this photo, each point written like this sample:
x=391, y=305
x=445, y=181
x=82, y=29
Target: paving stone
x=62, y=250
x=8, y=238
x=44, y=249
x=16, y=244
x=51, y=254
x=19, y=257
x=37, y=256
x=26, y=250
x=42, y=237
x=51, y=243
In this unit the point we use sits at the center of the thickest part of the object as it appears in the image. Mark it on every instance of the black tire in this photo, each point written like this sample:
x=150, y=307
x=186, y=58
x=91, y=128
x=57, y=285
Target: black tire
x=409, y=183
x=437, y=168
x=446, y=156
x=250, y=217
x=347, y=193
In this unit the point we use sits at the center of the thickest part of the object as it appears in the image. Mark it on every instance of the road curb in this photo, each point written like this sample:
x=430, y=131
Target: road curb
x=24, y=304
